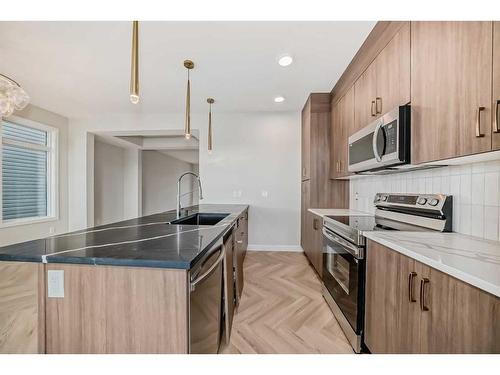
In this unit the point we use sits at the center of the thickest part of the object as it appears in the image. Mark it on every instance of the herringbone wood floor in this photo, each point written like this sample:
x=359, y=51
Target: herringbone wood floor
x=282, y=309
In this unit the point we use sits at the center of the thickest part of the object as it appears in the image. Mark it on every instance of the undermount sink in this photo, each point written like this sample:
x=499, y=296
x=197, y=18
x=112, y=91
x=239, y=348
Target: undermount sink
x=200, y=219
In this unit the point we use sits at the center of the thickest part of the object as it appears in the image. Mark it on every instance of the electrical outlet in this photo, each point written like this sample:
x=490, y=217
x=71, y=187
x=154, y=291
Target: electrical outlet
x=52, y=230
x=55, y=283
x=265, y=193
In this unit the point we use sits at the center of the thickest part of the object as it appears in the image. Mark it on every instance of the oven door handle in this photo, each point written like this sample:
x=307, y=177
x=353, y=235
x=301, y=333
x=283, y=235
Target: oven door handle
x=374, y=140
x=351, y=249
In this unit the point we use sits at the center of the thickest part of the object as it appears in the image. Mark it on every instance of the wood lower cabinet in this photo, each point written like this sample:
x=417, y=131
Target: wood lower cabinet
x=240, y=249
x=413, y=308
x=460, y=318
x=305, y=204
x=314, y=242
x=390, y=318
x=451, y=85
x=22, y=310
x=495, y=105
x=109, y=309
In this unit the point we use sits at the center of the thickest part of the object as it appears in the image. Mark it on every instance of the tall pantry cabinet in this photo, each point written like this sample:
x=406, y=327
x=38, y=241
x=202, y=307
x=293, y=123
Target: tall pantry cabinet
x=317, y=190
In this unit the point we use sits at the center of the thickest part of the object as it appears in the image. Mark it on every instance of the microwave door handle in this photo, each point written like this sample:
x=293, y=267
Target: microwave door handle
x=374, y=141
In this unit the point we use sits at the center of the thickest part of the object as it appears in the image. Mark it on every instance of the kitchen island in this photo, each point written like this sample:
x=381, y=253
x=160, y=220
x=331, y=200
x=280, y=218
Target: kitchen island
x=118, y=288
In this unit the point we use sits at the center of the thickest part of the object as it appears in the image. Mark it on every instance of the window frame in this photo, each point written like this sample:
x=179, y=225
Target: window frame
x=52, y=149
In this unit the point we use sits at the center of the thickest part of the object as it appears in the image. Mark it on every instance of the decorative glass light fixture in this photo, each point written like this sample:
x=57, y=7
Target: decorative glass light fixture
x=134, y=66
x=210, y=101
x=188, y=64
x=12, y=96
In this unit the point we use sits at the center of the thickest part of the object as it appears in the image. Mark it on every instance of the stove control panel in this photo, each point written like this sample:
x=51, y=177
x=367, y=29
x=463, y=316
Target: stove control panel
x=429, y=201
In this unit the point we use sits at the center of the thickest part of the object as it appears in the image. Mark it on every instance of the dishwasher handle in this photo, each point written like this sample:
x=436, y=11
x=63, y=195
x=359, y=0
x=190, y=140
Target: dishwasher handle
x=203, y=276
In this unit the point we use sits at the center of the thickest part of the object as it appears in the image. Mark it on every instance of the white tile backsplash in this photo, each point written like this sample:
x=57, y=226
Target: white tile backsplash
x=475, y=189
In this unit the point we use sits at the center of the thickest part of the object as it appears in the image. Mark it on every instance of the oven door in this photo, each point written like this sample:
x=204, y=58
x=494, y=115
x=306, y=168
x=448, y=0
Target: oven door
x=383, y=143
x=343, y=276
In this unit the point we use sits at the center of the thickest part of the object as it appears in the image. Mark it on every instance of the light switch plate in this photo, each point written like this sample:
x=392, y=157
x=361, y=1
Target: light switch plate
x=55, y=283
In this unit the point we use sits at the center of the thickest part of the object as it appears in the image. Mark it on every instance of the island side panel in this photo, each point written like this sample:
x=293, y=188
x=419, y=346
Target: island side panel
x=22, y=312
x=109, y=309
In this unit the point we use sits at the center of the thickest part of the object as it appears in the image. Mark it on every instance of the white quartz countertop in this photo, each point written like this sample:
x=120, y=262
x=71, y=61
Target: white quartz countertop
x=337, y=212
x=472, y=260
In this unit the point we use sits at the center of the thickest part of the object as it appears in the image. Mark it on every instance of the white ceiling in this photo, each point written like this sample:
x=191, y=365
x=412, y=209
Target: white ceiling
x=81, y=68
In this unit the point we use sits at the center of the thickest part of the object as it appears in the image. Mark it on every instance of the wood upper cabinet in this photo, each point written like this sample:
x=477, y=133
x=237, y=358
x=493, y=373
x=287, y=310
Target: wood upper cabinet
x=385, y=84
x=451, y=85
x=365, y=92
x=496, y=86
x=413, y=308
x=342, y=121
x=306, y=142
x=392, y=67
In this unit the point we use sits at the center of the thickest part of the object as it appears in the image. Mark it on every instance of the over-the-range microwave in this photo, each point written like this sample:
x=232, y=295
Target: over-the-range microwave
x=382, y=144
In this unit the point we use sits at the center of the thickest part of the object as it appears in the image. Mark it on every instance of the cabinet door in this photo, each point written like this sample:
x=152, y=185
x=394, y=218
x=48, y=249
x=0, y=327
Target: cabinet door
x=305, y=199
x=316, y=251
x=393, y=72
x=496, y=86
x=457, y=317
x=335, y=141
x=239, y=257
x=347, y=125
x=364, y=99
x=342, y=123
x=306, y=142
x=451, y=78
x=391, y=320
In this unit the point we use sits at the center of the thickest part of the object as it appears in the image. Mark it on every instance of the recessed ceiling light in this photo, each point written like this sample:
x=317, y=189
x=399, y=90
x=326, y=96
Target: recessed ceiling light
x=285, y=60
x=279, y=99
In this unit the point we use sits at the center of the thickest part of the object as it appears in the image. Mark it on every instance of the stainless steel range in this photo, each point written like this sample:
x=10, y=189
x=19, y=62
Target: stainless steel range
x=344, y=248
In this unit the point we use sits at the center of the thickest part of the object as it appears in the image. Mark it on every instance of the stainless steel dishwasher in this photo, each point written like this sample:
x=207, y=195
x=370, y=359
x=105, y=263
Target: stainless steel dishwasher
x=205, y=310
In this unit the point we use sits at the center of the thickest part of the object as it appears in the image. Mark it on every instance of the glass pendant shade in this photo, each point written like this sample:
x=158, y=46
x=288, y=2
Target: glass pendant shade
x=12, y=96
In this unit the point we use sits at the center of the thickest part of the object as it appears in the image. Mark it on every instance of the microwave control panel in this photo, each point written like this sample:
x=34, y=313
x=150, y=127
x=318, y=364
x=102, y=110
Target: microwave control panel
x=391, y=137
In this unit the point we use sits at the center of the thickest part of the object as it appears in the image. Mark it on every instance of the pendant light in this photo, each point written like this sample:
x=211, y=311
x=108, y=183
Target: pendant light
x=12, y=96
x=210, y=101
x=134, y=66
x=188, y=64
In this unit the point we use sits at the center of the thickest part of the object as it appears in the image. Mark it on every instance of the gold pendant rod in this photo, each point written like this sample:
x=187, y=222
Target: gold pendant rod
x=134, y=66
x=188, y=64
x=210, y=101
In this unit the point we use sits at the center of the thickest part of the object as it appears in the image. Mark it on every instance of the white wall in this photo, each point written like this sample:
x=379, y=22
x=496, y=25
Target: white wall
x=27, y=232
x=256, y=160
x=475, y=190
x=159, y=182
x=109, y=173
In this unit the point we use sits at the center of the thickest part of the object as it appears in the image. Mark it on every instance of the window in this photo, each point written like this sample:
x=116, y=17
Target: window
x=28, y=166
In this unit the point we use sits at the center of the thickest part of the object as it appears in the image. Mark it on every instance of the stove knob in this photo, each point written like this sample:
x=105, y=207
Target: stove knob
x=422, y=201
x=384, y=198
x=434, y=202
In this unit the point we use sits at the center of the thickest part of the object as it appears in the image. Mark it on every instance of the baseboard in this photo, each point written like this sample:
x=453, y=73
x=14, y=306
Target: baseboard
x=293, y=248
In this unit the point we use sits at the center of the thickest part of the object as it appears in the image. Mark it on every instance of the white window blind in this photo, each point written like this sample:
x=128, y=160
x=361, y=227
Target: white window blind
x=26, y=159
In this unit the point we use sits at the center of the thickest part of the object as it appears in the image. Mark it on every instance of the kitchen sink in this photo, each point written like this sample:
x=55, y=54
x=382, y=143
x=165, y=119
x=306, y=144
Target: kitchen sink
x=200, y=219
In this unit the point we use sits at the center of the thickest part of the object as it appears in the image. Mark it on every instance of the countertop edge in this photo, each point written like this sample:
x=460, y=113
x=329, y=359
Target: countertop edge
x=125, y=262
x=454, y=272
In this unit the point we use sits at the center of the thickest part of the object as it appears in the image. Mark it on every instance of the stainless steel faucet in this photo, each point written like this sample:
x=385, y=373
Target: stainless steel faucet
x=179, y=195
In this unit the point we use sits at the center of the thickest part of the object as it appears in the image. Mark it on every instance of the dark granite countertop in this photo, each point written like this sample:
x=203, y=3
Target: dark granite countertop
x=147, y=241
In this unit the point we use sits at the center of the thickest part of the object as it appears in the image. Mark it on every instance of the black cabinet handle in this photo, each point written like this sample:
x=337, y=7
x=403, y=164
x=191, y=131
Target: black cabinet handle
x=423, y=283
x=411, y=276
